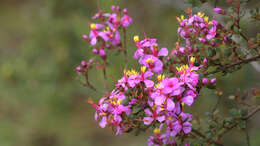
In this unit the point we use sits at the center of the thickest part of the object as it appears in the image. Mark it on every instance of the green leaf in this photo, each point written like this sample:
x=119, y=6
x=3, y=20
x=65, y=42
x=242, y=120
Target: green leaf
x=194, y=3
x=137, y=109
x=242, y=124
x=243, y=111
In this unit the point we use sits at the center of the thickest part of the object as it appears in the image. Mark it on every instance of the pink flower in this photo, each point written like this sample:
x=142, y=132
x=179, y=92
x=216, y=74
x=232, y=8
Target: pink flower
x=171, y=85
x=126, y=20
x=154, y=116
x=133, y=80
x=152, y=63
x=94, y=33
x=212, y=33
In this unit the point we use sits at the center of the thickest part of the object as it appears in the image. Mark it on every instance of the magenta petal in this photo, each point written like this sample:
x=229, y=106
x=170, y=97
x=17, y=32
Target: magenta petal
x=96, y=116
x=148, y=120
x=159, y=100
x=103, y=122
x=161, y=119
x=104, y=36
x=170, y=105
x=148, y=83
x=148, y=74
x=93, y=41
x=118, y=130
x=148, y=112
x=187, y=127
x=163, y=52
x=188, y=100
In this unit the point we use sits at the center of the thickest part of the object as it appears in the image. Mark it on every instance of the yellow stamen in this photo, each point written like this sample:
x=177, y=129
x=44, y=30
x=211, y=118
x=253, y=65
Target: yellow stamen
x=200, y=14
x=206, y=19
x=182, y=103
x=149, y=60
x=182, y=17
x=157, y=130
x=136, y=38
x=143, y=68
x=131, y=72
x=169, y=118
x=178, y=19
x=160, y=77
x=192, y=59
x=155, y=47
x=93, y=26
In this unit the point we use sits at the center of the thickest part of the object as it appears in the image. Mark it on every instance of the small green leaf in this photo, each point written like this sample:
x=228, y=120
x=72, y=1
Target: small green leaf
x=243, y=111
x=242, y=124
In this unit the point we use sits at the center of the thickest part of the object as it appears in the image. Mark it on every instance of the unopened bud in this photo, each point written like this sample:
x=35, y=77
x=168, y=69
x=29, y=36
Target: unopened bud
x=219, y=11
x=102, y=53
x=212, y=81
x=83, y=63
x=204, y=81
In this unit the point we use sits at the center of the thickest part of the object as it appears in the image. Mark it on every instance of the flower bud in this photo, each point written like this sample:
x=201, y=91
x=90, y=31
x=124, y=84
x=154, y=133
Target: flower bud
x=95, y=51
x=219, y=11
x=118, y=8
x=83, y=63
x=85, y=37
x=212, y=81
x=113, y=7
x=90, y=61
x=125, y=11
x=204, y=81
x=102, y=53
x=205, y=62
x=78, y=68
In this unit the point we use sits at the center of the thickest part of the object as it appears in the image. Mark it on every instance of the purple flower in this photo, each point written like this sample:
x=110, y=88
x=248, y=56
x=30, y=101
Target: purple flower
x=212, y=33
x=170, y=84
x=153, y=116
x=94, y=33
x=152, y=63
x=126, y=20
x=133, y=80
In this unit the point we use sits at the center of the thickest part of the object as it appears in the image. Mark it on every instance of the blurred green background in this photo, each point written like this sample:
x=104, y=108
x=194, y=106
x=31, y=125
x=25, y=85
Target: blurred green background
x=42, y=103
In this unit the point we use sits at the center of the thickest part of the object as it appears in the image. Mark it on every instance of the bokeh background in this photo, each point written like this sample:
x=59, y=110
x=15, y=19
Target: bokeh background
x=42, y=103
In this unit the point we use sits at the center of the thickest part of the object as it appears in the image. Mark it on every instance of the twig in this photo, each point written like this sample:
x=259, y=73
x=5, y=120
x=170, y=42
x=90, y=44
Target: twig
x=224, y=68
x=124, y=48
x=198, y=133
x=247, y=136
x=227, y=129
x=216, y=105
x=105, y=79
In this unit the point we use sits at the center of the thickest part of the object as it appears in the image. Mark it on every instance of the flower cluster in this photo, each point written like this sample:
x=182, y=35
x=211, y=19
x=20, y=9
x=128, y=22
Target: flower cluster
x=197, y=29
x=159, y=102
x=106, y=34
x=148, y=53
x=156, y=94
